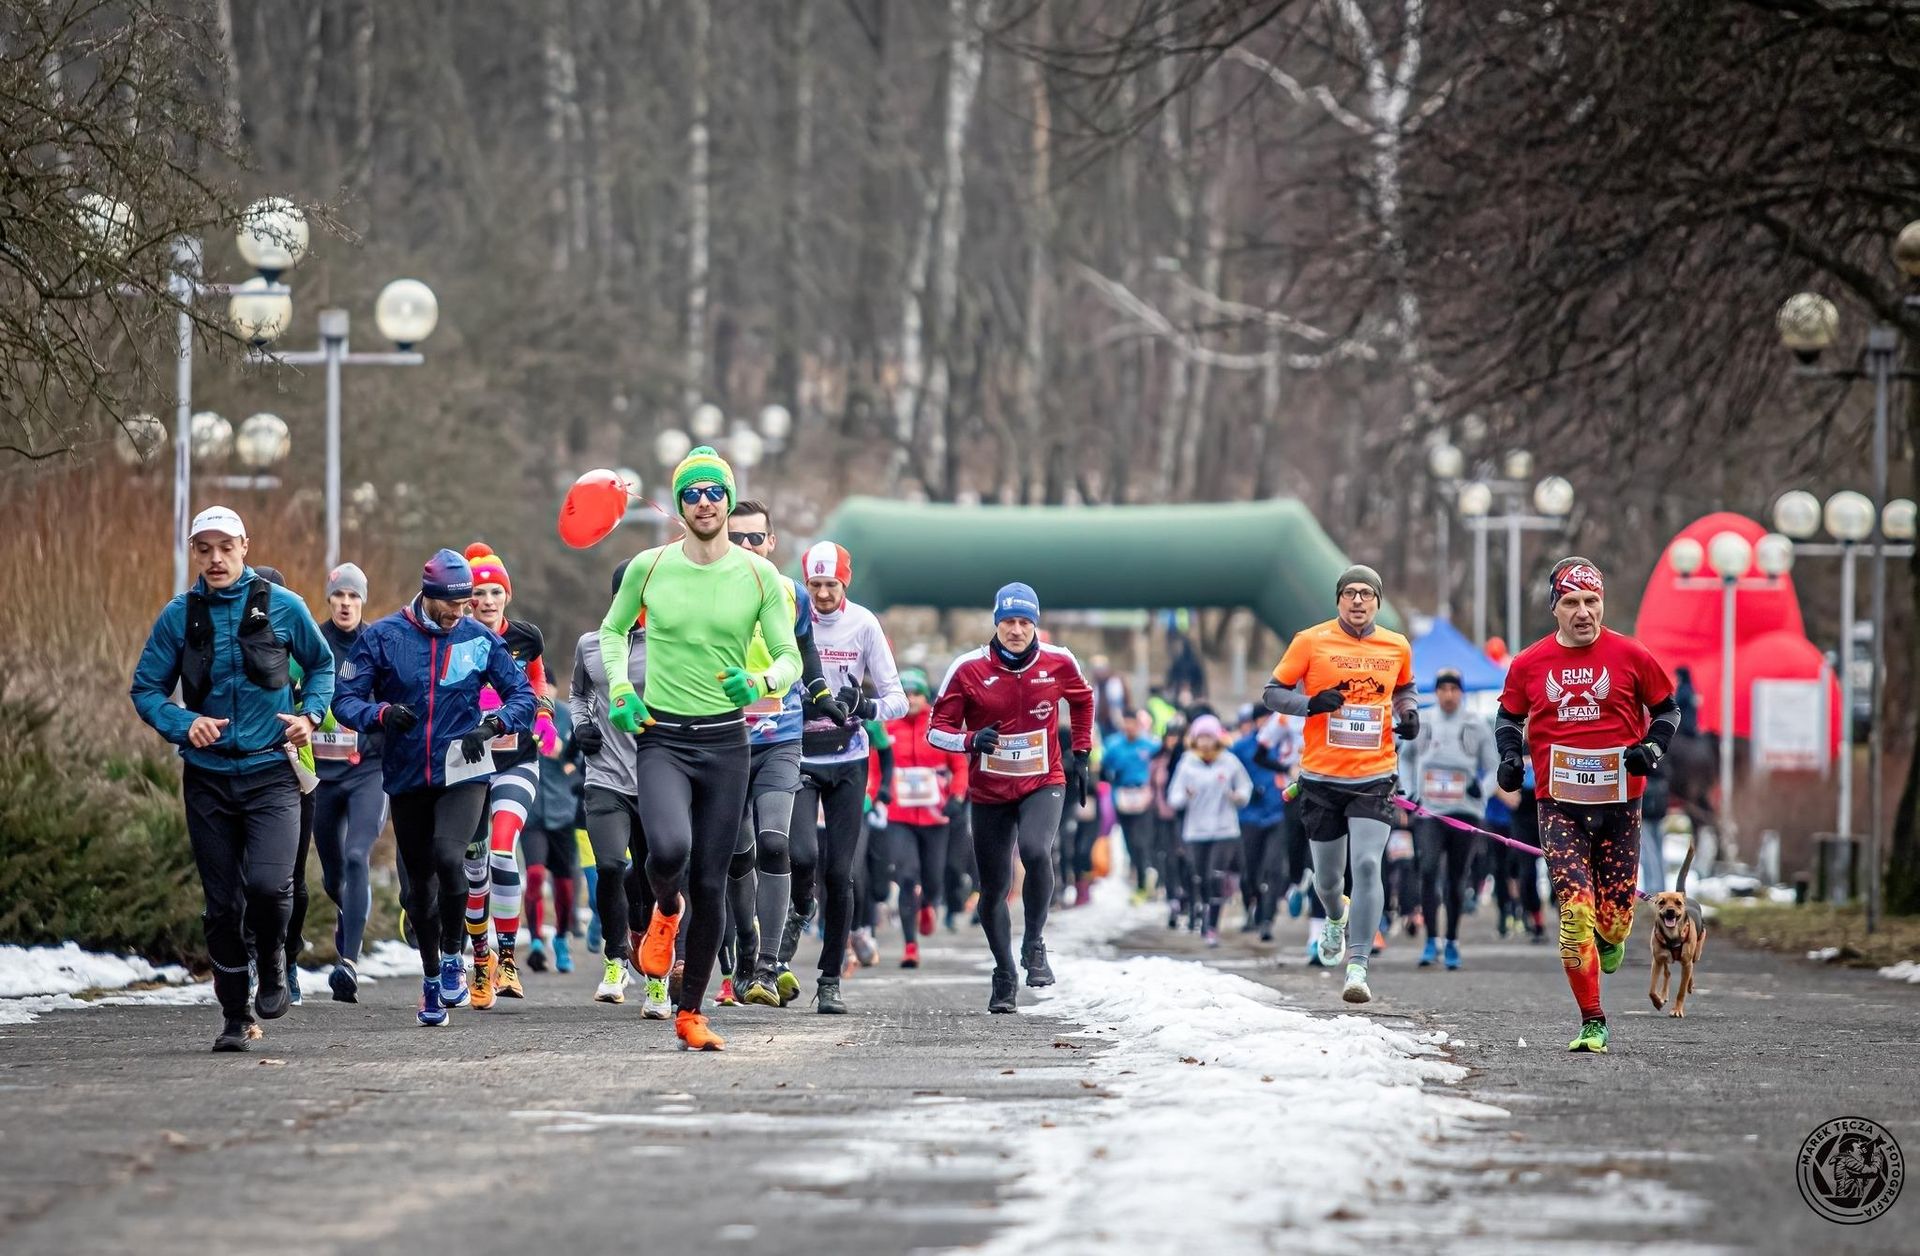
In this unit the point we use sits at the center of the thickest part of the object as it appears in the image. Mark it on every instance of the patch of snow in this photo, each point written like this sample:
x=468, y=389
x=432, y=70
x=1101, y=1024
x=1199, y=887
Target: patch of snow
x=1906, y=970
x=1205, y=1066
x=66, y=969
x=35, y=980
x=1825, y=955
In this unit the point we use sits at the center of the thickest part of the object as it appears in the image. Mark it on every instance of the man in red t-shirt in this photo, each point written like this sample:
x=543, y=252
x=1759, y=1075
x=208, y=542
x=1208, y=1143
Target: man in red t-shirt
x=1599, y=712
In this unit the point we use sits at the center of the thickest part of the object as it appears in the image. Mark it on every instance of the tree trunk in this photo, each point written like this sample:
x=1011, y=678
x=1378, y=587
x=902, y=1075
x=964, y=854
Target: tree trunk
x=797, y=163
x=966, y=52
x=555, y=107
x=697, y=206
x=360, y=164
x=230, y=121
x=1902, y=885
x=1039, y=297
x=1269, y=420
x=870, y=270
x=598, y=153
x=1173, y=402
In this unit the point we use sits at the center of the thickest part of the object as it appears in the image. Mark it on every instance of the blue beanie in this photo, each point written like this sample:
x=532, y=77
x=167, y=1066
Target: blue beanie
x=1016, y=601
x=446, y=577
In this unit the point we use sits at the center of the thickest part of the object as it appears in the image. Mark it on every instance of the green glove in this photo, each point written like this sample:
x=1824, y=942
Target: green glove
x=626, y=712
x=329, y=725
x=740, y=687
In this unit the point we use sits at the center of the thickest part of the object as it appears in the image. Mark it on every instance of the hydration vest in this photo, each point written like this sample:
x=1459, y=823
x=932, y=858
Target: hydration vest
x=263, y=656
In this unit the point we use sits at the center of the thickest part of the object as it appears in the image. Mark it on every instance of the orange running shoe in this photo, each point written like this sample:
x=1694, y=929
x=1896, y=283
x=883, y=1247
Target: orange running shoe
x=480, y=983
x=691, y=1029
x=656, y=950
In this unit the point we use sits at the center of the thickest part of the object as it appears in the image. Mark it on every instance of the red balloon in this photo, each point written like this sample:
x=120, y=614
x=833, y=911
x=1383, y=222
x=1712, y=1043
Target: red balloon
x=593, y=508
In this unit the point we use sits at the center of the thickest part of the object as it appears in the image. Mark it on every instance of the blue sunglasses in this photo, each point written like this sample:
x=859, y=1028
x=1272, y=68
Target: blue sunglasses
x=694, y=494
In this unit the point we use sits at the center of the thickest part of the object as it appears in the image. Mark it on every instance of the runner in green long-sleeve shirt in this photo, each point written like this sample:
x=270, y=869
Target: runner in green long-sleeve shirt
x=701, y=598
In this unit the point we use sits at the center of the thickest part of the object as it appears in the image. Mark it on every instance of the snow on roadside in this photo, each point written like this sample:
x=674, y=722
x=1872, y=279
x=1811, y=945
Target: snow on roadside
x=1226, y=1101
x=35, y=980
x=1906, y=970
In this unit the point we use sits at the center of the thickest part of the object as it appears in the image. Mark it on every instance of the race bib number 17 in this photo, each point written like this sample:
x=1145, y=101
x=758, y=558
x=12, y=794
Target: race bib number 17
x=1018, y=754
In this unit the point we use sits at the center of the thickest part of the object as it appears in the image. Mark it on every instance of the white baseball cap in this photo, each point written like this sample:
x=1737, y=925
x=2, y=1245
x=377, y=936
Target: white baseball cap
x=219, y=519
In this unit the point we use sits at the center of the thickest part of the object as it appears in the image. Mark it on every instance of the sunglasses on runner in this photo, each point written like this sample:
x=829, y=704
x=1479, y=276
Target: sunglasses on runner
x=1359, y=593
x=694, y=494
x=747, y=538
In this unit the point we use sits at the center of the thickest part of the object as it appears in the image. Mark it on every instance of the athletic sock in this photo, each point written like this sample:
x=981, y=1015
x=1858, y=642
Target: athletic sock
x=771, y=897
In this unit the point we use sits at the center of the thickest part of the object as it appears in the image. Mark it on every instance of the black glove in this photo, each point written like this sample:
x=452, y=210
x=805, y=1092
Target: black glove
x=1407, y=727
x=856, y=701
x=883, y=795
x=826, y=704
x=1077, y=776
x=1513, y=771
x=1473, y=788
x=1641, y=759
x=985, y=740
x=955, y=805
x=1326, y=700
x=474, y=744
x=587, y=738
x=398, y=719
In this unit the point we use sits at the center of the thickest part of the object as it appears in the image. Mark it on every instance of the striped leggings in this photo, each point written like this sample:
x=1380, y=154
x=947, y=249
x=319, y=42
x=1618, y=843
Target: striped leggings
x=493, y=872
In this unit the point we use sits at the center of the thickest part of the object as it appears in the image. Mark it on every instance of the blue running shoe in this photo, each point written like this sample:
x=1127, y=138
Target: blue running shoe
x=293, y=984
x=562, y=955
x=1296, y=902
x=594, y=937
x=432, y=1010
x=453, y=983
x=1453, y=955
x=1313, y=954
x=1430, y=954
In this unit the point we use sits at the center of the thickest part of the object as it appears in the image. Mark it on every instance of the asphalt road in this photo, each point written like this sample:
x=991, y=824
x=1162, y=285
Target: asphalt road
x=561, y=1125
x=1686, y=1132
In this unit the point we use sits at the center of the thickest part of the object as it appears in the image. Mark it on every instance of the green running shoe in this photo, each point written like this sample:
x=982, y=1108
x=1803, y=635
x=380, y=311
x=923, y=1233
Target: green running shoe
x=787, y=984
x=1333, y=942
x=1611, y=953
x=1593, y=1037
x=655, y=1005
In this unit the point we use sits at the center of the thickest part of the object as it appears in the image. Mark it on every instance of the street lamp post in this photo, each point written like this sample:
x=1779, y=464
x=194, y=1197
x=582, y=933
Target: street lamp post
x=1552, y=502
x=1447, y=463
x=1807, y=323
x=1475, y=500
x=1849, y=519
x=406, y=313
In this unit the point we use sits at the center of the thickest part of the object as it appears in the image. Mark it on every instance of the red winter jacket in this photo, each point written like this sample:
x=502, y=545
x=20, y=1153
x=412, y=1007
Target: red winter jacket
x=918, y=770
x=1025, y=705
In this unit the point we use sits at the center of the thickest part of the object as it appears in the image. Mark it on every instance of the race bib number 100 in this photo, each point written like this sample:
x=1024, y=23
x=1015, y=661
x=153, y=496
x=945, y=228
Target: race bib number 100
x=1357, y=727
x=1018, y=754
x=1586, y=777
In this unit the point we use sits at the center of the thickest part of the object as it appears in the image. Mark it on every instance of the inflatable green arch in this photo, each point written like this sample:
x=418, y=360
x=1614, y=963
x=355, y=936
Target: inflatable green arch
x=1269, y=556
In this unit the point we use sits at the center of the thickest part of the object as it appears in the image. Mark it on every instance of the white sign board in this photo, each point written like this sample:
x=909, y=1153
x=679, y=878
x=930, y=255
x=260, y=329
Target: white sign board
x=1789, y=732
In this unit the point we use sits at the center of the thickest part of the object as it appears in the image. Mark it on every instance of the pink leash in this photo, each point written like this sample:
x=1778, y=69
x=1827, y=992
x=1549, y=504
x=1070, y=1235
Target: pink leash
x=1407, y=804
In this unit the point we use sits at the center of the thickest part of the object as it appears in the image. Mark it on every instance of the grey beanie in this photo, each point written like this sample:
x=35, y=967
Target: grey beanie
x=1359, y=573
x=347, y=578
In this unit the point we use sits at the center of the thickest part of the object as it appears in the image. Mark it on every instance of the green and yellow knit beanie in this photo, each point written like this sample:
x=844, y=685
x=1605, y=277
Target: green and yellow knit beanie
x=703, y=466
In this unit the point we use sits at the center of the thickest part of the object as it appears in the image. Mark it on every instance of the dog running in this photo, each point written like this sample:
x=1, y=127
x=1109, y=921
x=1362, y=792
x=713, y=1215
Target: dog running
x=1679, y=936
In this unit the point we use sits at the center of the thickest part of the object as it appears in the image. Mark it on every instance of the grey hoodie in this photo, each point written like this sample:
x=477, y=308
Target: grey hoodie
x=1452, y=752
x=616, y=767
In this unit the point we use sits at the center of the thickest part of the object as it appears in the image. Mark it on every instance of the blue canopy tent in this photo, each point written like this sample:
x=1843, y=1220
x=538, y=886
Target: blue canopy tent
x=1443, y=645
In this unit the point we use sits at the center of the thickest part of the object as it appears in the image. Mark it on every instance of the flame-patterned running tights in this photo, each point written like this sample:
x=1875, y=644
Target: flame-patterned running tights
x=1593, y=861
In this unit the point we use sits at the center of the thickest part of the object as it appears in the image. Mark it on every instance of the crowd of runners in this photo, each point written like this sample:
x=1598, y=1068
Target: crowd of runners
x=739, y=766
